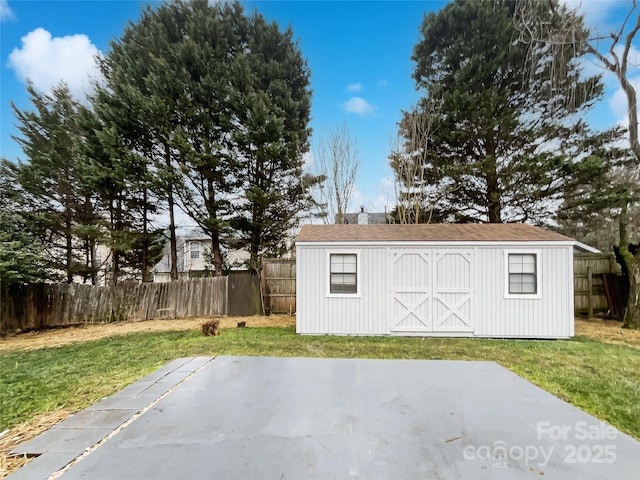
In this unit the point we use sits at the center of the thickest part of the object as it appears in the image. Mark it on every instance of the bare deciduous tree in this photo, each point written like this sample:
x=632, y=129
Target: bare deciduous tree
x=408, y=160
x=420, y=184
x=338, y=161
x=612, y=51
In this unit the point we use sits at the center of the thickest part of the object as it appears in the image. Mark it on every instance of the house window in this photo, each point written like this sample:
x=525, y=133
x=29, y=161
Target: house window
x=343, y=273
x=523, y=274
x=195, y=250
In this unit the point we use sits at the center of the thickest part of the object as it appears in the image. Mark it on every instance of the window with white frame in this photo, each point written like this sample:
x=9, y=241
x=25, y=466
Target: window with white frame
x=343, y=273
x=523, y=274
x=195, y=250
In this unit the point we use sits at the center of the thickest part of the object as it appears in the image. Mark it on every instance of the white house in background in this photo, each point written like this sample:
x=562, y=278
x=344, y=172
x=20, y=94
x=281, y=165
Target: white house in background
x=367, y=218
x=194, y=257
x=491, y=280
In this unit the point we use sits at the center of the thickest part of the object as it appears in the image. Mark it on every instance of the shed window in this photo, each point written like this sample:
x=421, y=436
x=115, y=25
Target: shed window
x=195, y=250
x=344, y=273
x=523, y=277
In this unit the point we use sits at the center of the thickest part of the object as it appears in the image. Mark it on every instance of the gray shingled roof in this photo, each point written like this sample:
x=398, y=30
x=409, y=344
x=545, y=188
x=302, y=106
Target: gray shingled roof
x=505, y=232
x=372, y=218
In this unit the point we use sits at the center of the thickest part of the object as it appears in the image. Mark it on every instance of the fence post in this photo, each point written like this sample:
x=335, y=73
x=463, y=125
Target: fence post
x=589, y=291
x=612, y=263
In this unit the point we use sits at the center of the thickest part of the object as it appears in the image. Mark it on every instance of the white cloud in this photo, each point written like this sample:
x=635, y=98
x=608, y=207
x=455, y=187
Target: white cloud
x=382, y=83
x=5, y=11
x=633, y=58
x=354, y=87
x=359, y=106
x=382, y=201
x=47, y=60
x=597, y=13
x=618, y=101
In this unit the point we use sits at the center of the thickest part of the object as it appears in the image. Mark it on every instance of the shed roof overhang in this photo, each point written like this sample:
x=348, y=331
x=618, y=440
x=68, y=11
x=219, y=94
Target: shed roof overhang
x=436, y=234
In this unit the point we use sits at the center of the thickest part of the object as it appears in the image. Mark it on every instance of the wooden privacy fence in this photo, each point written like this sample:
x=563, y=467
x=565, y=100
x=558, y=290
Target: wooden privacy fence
x=279, y=285
x=52, y=305
x=588, y=281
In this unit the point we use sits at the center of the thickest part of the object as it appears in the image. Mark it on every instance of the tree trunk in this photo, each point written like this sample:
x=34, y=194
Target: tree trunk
x=254, y=260
x=216, y=254
x=173, y=242
x=93, y=262
x=115, y=252
x=145, y=239
x=115, y=266
x=494, y=208
x=69, y=246
x=632, y=313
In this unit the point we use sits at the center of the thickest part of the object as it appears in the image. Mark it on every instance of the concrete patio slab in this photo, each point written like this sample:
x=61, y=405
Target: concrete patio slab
x=274, y=418
x=42, y=467
x=70, y=438
x=96, y=419
x=62, y=440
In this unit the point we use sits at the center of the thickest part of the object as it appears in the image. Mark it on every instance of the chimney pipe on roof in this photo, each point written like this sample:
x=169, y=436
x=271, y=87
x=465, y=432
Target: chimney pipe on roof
x=363, y=217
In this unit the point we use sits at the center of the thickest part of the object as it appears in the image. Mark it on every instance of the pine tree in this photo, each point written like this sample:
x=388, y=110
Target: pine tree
x=199, y=80
x=495, y=149
x=51, y=140
x=140, y=82
x=23, y=257
x=120, y=179
x=273, y=112
x=593, y=212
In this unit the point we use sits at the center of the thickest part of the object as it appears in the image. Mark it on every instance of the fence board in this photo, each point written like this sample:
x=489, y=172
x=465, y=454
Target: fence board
x=244, y=294
x=280, y=284
x=600, y=264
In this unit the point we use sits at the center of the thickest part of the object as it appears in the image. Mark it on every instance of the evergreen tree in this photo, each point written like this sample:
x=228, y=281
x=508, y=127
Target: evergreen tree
x=593, y=212
x=120, y=179
x=273, y=112
x=199, y=80
x=502, y=146
x=140, y=80
x=23, y=257
x=51, y=138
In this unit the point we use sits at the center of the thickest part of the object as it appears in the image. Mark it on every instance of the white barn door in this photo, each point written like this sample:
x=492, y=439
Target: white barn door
x=410, y=290
x=452, y=292
x=430, y=290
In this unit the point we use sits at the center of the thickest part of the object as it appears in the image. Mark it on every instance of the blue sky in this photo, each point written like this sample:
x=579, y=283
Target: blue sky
x=359, y=55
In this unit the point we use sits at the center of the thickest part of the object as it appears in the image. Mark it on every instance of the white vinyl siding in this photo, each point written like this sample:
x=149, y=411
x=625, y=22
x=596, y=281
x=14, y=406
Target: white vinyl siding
x=340, y=314
x=548, y=314
x=445, y=276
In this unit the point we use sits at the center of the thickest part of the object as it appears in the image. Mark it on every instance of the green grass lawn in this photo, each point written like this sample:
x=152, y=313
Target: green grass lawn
x=599, y=378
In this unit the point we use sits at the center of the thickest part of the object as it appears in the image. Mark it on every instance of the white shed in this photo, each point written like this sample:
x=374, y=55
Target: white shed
x=490, y=280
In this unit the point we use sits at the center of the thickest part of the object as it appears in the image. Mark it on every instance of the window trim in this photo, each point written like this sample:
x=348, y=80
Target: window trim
x=328, y=293
x=537, y=254
x=192, y=250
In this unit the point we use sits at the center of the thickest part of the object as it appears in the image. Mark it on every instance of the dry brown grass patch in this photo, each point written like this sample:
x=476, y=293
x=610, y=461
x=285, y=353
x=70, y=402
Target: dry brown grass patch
x=93, y=331
x=22, y=433
x=607, y=331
